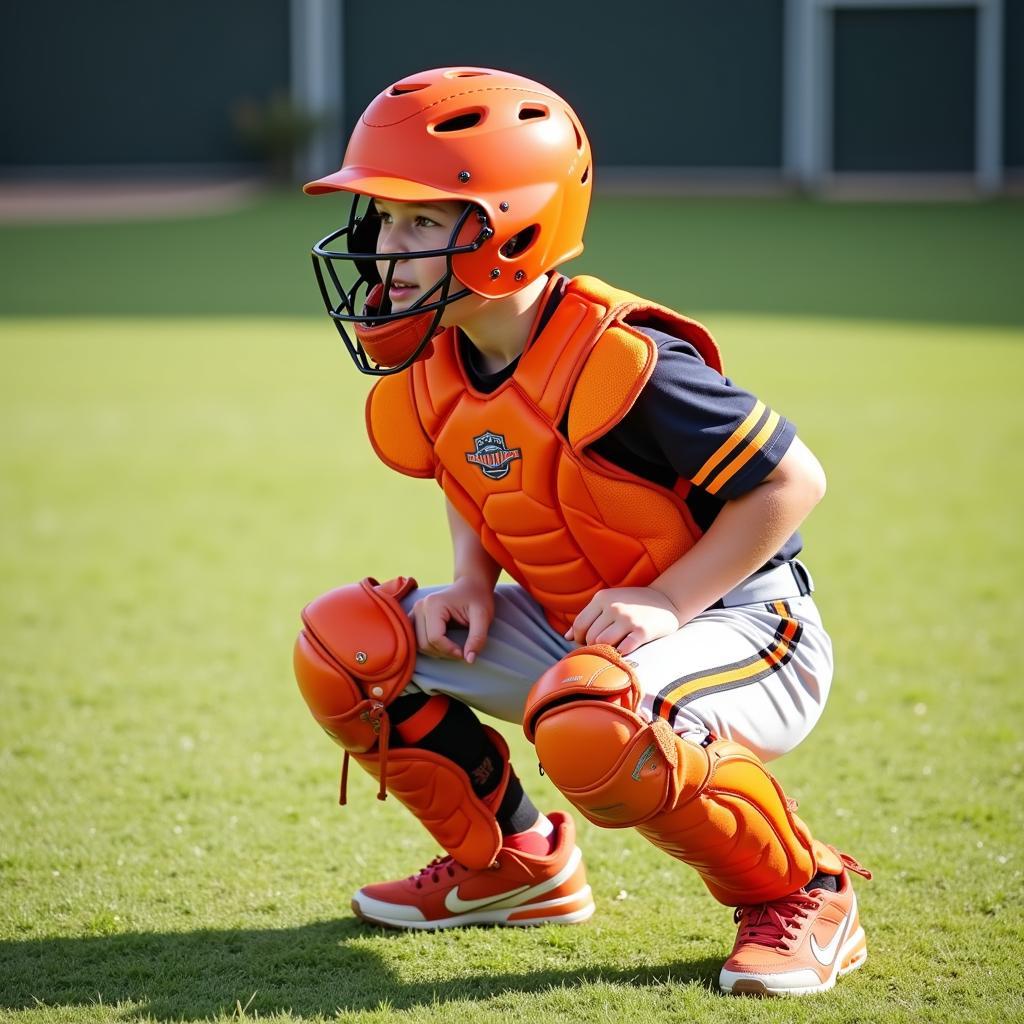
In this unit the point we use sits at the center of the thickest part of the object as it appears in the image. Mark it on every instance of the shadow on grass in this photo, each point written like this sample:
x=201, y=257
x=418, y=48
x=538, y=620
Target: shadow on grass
x=317, y=968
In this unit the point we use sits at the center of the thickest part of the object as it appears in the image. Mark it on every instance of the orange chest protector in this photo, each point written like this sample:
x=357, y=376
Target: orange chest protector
x=559, y=519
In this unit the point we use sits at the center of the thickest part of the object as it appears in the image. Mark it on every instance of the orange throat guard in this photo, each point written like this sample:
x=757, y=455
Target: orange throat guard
x=398, y=342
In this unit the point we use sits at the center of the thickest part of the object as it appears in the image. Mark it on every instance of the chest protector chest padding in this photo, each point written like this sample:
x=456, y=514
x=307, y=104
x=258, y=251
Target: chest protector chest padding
x=560, y=520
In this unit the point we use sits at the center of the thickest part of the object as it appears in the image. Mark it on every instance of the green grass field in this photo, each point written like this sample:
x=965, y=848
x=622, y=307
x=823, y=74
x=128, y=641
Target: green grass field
x=174, y=487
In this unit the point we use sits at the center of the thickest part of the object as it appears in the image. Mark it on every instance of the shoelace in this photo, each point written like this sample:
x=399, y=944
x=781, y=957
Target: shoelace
x=778, y=923
x=434, y=868
x=775, y=924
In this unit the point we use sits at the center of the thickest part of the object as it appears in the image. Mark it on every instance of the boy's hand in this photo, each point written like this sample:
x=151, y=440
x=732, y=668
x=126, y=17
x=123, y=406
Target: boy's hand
x=467, y=602
x=626, y=618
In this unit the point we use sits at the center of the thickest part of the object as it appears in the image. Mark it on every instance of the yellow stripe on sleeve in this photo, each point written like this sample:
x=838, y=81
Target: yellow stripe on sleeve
x=753, y=447
x=737, y=436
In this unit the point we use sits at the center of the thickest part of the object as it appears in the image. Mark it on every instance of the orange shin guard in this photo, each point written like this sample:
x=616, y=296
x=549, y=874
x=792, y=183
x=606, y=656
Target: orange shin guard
x=354, y=656
x=440, y=795
x=715, y=808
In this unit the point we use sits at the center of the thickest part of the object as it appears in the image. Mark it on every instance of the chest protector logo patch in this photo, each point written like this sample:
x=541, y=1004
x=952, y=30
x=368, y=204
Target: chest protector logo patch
x=492, y=456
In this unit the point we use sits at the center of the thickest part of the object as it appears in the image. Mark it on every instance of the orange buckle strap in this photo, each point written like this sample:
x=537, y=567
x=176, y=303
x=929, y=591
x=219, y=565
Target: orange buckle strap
x=851, y=865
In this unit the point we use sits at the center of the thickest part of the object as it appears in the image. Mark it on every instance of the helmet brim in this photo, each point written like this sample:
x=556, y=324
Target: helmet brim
x=381, y=186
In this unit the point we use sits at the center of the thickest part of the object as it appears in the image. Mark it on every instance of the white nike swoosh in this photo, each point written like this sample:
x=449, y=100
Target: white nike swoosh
x=825, y=955
x=457, y=905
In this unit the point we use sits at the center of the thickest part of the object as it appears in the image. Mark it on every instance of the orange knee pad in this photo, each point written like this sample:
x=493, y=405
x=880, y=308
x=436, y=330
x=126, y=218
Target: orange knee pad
x=715, y=808
x=617, y=769
x=353, y=657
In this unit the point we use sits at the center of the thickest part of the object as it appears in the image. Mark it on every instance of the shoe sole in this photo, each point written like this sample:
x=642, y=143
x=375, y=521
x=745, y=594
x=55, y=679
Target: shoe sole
x=573, y=909
x=851, y=956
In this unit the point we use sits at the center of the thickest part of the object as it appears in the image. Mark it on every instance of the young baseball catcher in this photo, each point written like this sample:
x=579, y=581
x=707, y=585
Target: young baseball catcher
x=660, y=642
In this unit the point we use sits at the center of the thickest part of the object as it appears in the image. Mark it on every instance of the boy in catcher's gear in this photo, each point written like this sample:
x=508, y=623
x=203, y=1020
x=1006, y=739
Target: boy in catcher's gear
x=660, y=642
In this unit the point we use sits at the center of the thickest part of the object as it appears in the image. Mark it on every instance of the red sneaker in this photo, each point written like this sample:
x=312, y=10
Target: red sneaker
x=798, y=944
x=518, y=889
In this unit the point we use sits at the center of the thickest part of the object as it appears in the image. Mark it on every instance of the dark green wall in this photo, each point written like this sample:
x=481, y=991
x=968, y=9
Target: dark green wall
x=692, y=83
x=695, y=83
x=110, y=81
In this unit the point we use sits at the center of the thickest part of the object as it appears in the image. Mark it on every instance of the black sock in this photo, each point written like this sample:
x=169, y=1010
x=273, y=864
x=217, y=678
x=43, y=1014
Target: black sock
x=454, y=732
x=517, y=812
x=823, y=881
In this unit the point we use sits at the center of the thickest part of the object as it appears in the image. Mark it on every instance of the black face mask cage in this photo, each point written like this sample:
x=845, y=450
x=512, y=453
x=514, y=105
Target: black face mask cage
x=348, y=305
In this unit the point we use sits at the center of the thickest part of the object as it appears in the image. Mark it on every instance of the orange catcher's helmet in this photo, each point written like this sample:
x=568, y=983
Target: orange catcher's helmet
x=510, y=148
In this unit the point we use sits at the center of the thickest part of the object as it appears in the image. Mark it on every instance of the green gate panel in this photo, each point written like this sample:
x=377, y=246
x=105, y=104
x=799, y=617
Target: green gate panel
x=1013, y=81
x=904, y=90
x=689, y=84
x=102, y=82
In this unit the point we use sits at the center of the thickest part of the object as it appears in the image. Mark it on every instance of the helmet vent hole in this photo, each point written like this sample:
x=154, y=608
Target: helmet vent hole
x=459, y=123
x=586, y=175
x=579, y=137
x=529, y=113
x=403, y=87
x=519, y=243
x=466, y=74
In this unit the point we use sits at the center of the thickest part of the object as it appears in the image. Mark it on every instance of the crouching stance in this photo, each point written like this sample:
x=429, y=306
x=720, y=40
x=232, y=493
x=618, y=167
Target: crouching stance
x=589, y=445
x=353, y=659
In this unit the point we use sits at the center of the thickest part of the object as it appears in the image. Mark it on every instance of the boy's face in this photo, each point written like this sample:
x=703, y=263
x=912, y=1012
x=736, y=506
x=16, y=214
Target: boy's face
x=414, y=227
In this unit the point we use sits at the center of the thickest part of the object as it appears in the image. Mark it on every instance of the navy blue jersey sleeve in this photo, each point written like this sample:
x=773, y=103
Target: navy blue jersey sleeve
x=708, y=429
